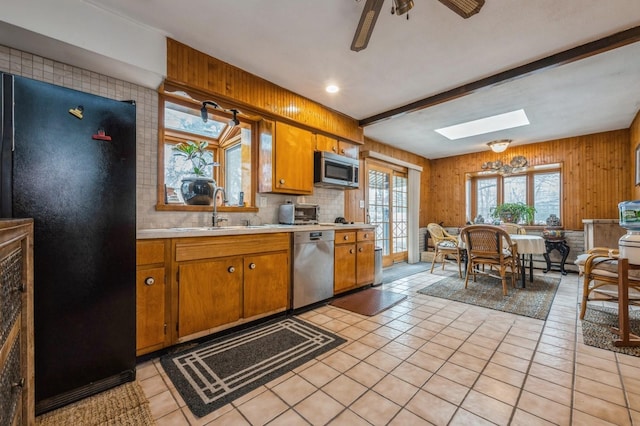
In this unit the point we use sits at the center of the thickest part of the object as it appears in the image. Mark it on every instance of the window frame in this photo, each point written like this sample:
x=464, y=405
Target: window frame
x=529, y=172
x=163, y=133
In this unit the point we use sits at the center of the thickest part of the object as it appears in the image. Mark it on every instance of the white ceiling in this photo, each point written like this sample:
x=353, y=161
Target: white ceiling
x=303, y=45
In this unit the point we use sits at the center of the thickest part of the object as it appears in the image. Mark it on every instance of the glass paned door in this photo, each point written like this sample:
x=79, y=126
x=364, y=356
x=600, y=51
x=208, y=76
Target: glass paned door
x=388, y=211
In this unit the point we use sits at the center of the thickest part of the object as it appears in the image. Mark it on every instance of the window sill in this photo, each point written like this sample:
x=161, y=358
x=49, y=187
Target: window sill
x=186, y=208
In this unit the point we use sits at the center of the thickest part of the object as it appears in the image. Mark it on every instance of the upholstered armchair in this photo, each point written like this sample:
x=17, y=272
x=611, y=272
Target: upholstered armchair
x=599, y=267
x=444, y=244
x=490, y=245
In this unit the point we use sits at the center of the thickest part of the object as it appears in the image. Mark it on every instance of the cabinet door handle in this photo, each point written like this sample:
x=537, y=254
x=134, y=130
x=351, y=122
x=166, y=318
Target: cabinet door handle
x=281, y=181
x=149, y=281
x=252, y=266
x=360, y=249
x=231, y=269
x=351, y=251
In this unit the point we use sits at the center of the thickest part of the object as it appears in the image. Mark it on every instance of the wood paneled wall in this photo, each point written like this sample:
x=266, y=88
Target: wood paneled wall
x=352, y=198
x=634, y=136
x=596, y=170
x=189, y=67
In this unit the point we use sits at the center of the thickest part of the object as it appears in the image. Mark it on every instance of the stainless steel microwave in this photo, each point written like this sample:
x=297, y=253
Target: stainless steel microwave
x=335, y=171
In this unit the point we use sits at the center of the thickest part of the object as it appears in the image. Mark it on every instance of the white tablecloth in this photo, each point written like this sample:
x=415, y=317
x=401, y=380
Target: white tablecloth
x=529, y=244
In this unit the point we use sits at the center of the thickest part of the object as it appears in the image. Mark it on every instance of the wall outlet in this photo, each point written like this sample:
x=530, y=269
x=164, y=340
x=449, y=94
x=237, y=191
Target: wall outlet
x=262, y=201
x=362, y=204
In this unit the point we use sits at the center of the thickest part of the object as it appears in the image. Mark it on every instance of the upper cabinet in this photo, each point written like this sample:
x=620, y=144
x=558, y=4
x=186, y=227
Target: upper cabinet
x=285, y=159
x=326, y=143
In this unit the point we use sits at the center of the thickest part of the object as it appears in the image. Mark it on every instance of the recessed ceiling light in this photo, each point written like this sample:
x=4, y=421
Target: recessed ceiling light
x=494, y=123
x=332, y=88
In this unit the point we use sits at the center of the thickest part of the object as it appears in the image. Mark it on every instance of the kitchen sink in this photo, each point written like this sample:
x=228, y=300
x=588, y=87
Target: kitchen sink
x=216, y=228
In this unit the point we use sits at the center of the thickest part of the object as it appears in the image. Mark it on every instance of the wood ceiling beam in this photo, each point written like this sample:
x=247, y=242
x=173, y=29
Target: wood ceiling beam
x=622, y=38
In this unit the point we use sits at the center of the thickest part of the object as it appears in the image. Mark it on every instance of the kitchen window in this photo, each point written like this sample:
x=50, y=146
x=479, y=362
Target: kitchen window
x=538, y=186
x=229, y=147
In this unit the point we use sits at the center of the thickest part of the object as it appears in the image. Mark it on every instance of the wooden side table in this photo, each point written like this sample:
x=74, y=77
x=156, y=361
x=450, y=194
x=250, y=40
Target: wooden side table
x=562, y=247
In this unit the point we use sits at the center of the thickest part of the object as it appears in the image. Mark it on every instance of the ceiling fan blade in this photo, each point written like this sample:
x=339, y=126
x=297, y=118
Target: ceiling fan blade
x=464, y=8
x=365, y=26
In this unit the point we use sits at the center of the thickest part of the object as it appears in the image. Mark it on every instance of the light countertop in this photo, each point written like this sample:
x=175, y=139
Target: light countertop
x=207, y=231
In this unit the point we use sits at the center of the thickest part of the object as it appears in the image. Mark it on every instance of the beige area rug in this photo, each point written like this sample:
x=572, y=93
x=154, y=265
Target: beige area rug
x=596, y=329
x=124, y=405
x=533, y=301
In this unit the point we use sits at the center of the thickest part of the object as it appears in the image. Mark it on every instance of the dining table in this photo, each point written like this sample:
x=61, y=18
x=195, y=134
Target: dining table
x=528, y=245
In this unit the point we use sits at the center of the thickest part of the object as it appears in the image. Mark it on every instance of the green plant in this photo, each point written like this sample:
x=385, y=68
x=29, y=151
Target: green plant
x=514, y=212
x=195, y=152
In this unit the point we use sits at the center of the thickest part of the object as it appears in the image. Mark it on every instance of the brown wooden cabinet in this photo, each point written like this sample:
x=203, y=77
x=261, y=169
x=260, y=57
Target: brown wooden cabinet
x=224, y=281
x=353, y=259
x=17, y=406
x=266, y=283
x=152, y=309
x=365, y=257
x=210, y=295
x=285, y=159
x=326, y=143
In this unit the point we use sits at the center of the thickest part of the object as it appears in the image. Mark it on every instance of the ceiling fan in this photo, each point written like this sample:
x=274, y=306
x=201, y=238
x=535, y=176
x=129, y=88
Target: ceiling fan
x=372, y=8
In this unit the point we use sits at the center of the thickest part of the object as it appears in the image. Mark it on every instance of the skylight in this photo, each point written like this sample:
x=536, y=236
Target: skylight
x=508, y=120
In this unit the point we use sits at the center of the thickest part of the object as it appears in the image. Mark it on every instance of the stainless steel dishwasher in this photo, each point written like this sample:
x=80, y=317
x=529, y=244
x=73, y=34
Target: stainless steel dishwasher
x=312, y=267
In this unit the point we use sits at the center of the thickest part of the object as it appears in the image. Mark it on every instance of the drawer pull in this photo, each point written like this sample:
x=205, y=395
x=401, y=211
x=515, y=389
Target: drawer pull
x=366, y=236
x=149, y=281
x=231, y=269
x=346, y=237
x=18, y=384
x=360, y=249
x=351, y=251
x=252, y=266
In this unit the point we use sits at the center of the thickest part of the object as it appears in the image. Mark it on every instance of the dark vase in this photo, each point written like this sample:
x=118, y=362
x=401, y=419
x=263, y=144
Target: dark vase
x=197, y=190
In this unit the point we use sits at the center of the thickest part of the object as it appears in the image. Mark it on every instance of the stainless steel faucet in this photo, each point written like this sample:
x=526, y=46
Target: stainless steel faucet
x=214, y=216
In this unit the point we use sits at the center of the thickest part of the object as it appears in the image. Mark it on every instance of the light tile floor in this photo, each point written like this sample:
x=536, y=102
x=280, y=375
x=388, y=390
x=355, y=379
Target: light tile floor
x=433, y=361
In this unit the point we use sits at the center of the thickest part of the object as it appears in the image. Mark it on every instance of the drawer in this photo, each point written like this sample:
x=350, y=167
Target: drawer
x=345, y=237
x=232, y=245
x=367, y=235
x=150, y=252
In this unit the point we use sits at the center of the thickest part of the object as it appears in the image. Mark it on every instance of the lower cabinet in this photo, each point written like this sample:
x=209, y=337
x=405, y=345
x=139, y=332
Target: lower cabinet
x=220, y=282
x=266, y=284
x=151, y=296
x=353, y=259
x=17, y=405
x=210, y=295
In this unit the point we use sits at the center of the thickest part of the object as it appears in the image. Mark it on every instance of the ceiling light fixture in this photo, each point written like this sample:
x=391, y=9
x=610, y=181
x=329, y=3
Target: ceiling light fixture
x=499, y=145
x=508, y=120
x=400, y=7
x=203, y=111
x=464, y=8
x=332, y=88
x=365, y=25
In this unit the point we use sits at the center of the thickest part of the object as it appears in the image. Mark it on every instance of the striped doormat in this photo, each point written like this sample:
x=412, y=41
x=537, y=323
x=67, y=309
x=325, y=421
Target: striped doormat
x=217, y=372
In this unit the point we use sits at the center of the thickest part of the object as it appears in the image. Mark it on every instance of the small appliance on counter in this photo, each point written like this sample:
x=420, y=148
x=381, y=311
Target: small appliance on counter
x=298, y=214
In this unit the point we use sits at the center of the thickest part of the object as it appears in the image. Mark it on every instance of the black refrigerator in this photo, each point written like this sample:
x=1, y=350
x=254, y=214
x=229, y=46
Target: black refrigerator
x=67, y=160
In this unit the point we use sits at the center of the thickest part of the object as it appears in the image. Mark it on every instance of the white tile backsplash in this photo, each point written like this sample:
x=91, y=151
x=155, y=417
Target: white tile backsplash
x=38, y=68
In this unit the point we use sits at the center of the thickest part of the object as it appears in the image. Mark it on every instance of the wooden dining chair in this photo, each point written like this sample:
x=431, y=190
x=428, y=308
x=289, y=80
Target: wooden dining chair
x=490, y=245
x=600, y=277
x=514, y=229
x=445, y=244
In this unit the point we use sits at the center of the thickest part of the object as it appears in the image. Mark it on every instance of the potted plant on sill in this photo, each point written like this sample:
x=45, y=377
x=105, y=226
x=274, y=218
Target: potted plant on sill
x=196, y=187
x=514, y=213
